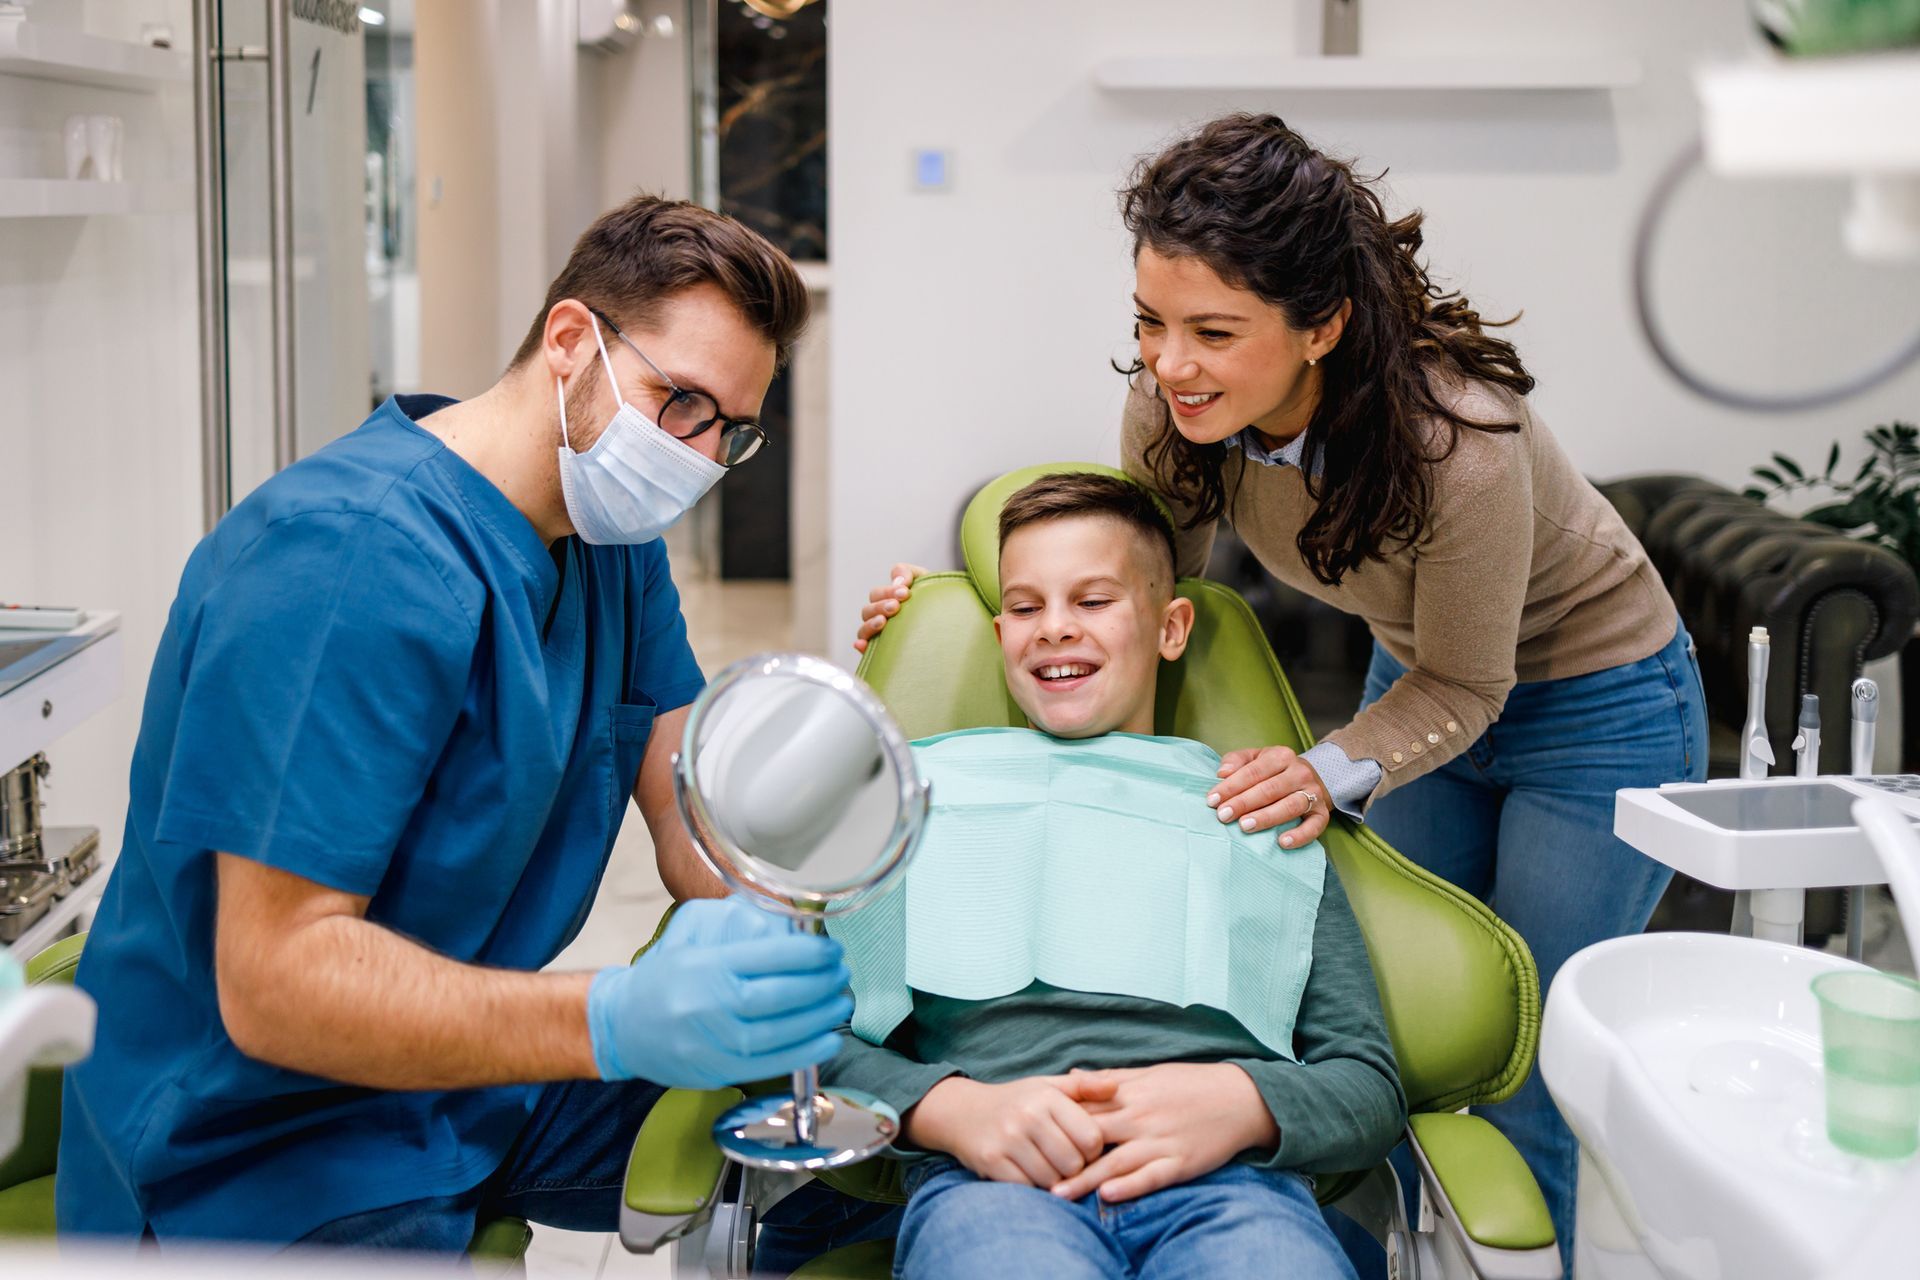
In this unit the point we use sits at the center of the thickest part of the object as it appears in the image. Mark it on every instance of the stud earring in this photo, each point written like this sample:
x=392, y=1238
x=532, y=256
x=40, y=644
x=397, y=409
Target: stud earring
x=1312, y=360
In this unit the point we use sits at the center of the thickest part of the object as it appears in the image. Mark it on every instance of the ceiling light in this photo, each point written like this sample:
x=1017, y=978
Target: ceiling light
x=373, y=17
x=777, y=8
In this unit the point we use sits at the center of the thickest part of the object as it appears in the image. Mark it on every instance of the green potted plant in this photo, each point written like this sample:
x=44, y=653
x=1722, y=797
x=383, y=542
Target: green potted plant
x=1879, y=503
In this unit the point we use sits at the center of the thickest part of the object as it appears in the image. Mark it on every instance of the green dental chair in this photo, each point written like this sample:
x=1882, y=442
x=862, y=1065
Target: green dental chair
x=1459, y=989
x=498, y=1248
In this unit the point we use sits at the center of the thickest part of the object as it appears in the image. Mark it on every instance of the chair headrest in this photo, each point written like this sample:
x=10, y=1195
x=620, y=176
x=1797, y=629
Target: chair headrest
x=980, y=523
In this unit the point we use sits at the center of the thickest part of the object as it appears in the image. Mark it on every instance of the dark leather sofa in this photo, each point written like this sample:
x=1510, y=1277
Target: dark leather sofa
x=1829, y=603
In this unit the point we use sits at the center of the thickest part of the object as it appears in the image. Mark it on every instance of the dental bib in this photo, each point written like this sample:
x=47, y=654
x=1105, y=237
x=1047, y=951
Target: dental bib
x=1092, y=865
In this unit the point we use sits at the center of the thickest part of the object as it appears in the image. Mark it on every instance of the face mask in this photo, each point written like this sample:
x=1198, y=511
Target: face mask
x=636, y=481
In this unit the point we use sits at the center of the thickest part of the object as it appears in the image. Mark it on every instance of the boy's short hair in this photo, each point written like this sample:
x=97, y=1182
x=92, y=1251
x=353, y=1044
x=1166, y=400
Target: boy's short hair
x=1090, y=493
x=636, y=257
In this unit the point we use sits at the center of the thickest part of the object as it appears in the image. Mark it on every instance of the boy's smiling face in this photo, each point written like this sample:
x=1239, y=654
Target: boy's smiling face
x=1087, y=612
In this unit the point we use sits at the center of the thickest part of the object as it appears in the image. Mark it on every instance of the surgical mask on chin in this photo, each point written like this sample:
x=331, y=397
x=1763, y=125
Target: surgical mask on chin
x=636, y=481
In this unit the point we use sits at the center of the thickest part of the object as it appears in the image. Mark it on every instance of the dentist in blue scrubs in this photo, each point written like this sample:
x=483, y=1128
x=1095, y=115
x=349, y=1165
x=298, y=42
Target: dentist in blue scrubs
x=403, y=696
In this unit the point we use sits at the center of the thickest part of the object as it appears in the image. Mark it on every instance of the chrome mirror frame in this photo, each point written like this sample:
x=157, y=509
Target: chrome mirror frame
x=733, y=864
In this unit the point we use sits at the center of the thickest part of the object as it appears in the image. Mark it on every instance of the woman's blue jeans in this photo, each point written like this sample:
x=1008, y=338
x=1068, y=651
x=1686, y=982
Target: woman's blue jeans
x=1523, y=820
x=1235, y=1221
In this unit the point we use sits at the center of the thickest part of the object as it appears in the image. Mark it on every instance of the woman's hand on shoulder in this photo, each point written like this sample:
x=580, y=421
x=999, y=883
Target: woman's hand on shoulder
x=1262, y=787
x=884, y=602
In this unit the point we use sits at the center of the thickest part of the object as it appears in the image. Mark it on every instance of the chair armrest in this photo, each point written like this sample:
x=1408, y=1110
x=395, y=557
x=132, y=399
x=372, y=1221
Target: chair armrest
x=676, y=1170
x=1485, y=1196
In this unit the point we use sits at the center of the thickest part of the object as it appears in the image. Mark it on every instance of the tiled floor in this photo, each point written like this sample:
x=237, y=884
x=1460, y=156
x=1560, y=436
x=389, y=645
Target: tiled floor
x=726, y=622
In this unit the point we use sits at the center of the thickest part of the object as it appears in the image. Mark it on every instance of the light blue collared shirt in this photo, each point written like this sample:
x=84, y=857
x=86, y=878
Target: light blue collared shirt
x=1349, y=781
x=1247, y=440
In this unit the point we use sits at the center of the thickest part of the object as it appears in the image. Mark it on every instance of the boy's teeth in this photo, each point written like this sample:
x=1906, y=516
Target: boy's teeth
x=1066, y=672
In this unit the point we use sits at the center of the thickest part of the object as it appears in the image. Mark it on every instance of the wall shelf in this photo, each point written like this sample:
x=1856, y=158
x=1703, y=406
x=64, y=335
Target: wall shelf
x=1371, y=74
x=45, y=52
x=1841, y=115
x=64, y=198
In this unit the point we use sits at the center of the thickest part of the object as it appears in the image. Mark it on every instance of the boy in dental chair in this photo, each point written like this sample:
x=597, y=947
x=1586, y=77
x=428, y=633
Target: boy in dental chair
x=1124, y=1033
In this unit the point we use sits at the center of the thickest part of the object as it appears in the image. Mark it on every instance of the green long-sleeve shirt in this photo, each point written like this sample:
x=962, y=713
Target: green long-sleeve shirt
x=1339, y=1107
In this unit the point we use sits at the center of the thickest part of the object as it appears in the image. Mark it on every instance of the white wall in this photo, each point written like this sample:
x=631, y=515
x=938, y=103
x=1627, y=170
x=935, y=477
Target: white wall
x=524, y=139
x=972, y=328
x=636, y=127
x=99, y=396
x=457, y=78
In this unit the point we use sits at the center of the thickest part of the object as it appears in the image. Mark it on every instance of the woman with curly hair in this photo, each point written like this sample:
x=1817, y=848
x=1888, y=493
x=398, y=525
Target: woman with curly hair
x=1301, y=377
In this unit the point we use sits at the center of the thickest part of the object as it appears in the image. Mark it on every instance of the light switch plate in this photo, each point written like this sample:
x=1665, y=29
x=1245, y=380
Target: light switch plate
x=932, y=169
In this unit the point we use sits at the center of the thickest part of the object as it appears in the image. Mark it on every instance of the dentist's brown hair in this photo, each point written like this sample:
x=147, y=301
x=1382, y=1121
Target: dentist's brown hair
x=636, y=257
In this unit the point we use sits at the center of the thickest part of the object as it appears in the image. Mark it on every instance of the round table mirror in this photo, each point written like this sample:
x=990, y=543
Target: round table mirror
x=799, y=787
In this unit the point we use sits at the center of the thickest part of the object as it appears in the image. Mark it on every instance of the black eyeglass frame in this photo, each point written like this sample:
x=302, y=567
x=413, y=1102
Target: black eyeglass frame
x=731, y=429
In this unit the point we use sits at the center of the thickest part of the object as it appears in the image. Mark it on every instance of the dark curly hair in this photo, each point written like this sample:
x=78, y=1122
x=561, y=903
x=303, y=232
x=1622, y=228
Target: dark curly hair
x=1269, y=213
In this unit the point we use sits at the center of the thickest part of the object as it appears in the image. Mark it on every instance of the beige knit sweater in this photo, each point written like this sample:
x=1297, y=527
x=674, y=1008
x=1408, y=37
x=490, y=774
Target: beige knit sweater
x=1524, y=573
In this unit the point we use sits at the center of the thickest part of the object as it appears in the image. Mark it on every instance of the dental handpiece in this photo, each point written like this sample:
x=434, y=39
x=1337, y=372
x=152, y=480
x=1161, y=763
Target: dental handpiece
x=1756, y=753
x=1806, y=761
x=1866, y=709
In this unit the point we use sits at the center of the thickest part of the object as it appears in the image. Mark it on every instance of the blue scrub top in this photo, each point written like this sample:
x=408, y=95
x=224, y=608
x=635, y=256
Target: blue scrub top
x=377, y=676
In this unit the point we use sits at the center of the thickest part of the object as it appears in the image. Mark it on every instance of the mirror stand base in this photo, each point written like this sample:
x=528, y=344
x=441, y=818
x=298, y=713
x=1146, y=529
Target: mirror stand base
x=850, y=1127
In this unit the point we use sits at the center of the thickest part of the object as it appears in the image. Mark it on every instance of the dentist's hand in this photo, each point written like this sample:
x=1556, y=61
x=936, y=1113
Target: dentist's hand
x=1264, y=787
x=884, y=602
x=730, y=993
x=1027, y=1131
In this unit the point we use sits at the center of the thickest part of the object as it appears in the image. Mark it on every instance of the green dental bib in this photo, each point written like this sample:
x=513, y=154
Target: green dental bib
x=1092, y=865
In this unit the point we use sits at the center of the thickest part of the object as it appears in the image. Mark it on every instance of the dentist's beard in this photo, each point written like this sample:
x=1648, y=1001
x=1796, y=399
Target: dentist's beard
x=583, y=424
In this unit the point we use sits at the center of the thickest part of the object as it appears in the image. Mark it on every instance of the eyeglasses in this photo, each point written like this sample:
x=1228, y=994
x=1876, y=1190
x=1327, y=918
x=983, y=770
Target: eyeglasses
x=688, y=413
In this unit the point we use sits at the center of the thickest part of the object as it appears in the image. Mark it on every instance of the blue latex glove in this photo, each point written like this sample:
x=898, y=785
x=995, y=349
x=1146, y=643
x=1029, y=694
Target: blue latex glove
x=730, y=993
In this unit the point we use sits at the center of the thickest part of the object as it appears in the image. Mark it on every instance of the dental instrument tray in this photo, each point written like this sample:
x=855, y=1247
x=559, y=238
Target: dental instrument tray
x=1769, y=833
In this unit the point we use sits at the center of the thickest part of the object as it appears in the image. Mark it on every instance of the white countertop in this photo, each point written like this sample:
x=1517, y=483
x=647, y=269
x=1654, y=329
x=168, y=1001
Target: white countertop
x=49, y=703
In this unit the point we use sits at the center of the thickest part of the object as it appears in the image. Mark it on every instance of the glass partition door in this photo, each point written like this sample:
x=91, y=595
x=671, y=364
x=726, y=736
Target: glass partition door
x=281, y=91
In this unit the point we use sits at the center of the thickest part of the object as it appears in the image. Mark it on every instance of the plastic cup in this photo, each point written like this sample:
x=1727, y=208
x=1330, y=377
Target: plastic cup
x=1870, y=1033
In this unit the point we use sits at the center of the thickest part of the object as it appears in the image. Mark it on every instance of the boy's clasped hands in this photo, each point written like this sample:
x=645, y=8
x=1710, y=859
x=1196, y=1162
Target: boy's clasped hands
x=1123, y=1132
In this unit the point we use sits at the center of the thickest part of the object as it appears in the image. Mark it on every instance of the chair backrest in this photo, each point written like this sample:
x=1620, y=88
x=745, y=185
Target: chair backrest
x=1461, y=996
x=40, y=1138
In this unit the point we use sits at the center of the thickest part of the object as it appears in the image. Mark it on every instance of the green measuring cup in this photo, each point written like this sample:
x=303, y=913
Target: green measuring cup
x=1870, y=1034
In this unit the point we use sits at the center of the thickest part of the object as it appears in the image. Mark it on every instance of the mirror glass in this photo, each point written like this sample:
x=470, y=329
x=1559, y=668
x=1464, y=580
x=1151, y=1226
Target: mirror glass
x=799, y=780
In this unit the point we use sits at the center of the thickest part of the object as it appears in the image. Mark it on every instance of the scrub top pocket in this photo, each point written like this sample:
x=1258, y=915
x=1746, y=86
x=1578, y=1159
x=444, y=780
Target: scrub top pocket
x=631, y=729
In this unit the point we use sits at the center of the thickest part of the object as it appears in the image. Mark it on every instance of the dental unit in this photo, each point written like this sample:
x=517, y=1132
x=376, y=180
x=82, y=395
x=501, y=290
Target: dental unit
x=1806, y=745
x=1756, y=753
x=1691, y=1066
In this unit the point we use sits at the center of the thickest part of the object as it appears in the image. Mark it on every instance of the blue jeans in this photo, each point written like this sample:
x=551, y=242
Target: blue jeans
x=1523, y=820
x=566, y=1170
x=1235, y=1221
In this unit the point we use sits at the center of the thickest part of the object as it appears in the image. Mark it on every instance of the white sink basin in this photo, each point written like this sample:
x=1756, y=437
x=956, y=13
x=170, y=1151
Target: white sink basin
x=1688, y=1065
